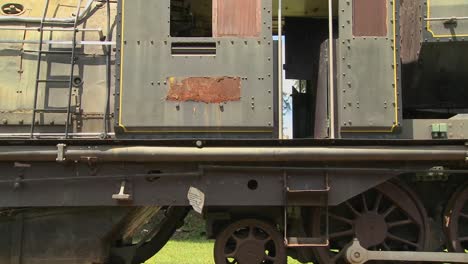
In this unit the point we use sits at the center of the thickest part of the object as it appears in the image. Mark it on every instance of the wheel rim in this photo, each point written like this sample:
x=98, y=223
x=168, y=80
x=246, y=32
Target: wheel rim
x=388, y=217
x=457, y=221
x=250, y=242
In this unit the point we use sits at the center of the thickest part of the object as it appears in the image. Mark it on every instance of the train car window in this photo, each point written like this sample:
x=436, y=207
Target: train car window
x=236, y=18
x=370, y=18
x=191, y=18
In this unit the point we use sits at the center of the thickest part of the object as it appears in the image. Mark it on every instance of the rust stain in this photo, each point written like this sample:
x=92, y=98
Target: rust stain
x=205, y=89
x=370, y=18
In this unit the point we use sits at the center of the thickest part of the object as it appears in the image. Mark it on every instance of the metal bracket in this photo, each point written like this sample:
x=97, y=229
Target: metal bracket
x=356, y=254
x=122, y=196
x=61, y=152
x=320, y=195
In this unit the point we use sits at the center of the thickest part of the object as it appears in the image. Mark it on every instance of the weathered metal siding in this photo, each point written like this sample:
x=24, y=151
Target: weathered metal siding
x=148, y=63
x=241, y=18
x=443, y=28
x=18, y=72
x=368, y=75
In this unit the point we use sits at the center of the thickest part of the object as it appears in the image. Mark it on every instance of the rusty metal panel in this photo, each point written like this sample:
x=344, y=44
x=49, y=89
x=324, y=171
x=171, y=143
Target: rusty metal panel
x=204, y=89
x=370, y=18
x=240, y=18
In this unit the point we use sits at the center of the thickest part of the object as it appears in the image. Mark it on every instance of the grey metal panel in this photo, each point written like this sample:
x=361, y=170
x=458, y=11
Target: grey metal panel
x=422, y=128
x=442, y=30
x=147, y=65
x=368, y=76
x=223, y=186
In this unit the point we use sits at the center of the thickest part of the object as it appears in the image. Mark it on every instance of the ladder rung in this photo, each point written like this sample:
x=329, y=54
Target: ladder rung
x=51, y=110
x=307, y=242
x=49, y=51
x=53, y=81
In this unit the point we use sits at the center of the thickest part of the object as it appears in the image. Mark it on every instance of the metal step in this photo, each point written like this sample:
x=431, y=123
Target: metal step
x=307, y=242
x=307, y=197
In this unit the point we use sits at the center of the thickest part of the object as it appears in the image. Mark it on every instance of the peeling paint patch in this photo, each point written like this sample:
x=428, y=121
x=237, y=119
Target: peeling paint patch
x=204, y=89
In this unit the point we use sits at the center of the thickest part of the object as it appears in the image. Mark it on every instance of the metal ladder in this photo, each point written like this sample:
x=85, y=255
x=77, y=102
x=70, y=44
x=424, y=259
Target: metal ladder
x=40, y=52
x=318, y=197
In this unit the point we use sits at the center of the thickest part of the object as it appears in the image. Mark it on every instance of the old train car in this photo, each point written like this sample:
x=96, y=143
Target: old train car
x=117, y=117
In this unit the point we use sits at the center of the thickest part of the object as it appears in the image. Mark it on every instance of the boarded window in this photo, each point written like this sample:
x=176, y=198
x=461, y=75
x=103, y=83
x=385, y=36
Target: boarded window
x=370, y=18
x=238, y=18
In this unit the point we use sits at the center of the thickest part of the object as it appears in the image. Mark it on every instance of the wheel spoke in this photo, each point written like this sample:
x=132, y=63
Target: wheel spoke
x=340, y=218
x=269, y=258
x=385, y=246
x=463, y=215
x=231, y=255
x=364, y=203
x=402, y=240
x=389, y=211
x=234, y=250
x=237, y=239
x=355, y=212
x=266, y=240
x=378, y=199
x=399, y=223
x=337, y=256
x=349, y=232
x=251, y=232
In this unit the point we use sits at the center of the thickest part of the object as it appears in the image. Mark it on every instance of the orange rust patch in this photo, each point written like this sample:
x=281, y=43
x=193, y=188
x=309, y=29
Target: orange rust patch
x=205, y=89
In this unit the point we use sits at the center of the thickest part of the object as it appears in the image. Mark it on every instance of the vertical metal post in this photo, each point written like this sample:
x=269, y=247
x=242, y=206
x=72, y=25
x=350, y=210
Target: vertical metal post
x=280, y=70
x=331, y=70
x=38, y=67
x=108, y=72
x=72, y=69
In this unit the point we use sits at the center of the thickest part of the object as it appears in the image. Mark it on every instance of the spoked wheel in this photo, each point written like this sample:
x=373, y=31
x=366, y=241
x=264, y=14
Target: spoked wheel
x=250, y=242
x=456, y=217
x=388, y=217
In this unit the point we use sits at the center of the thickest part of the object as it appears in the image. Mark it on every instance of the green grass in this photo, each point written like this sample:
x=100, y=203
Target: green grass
x=188, y=252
